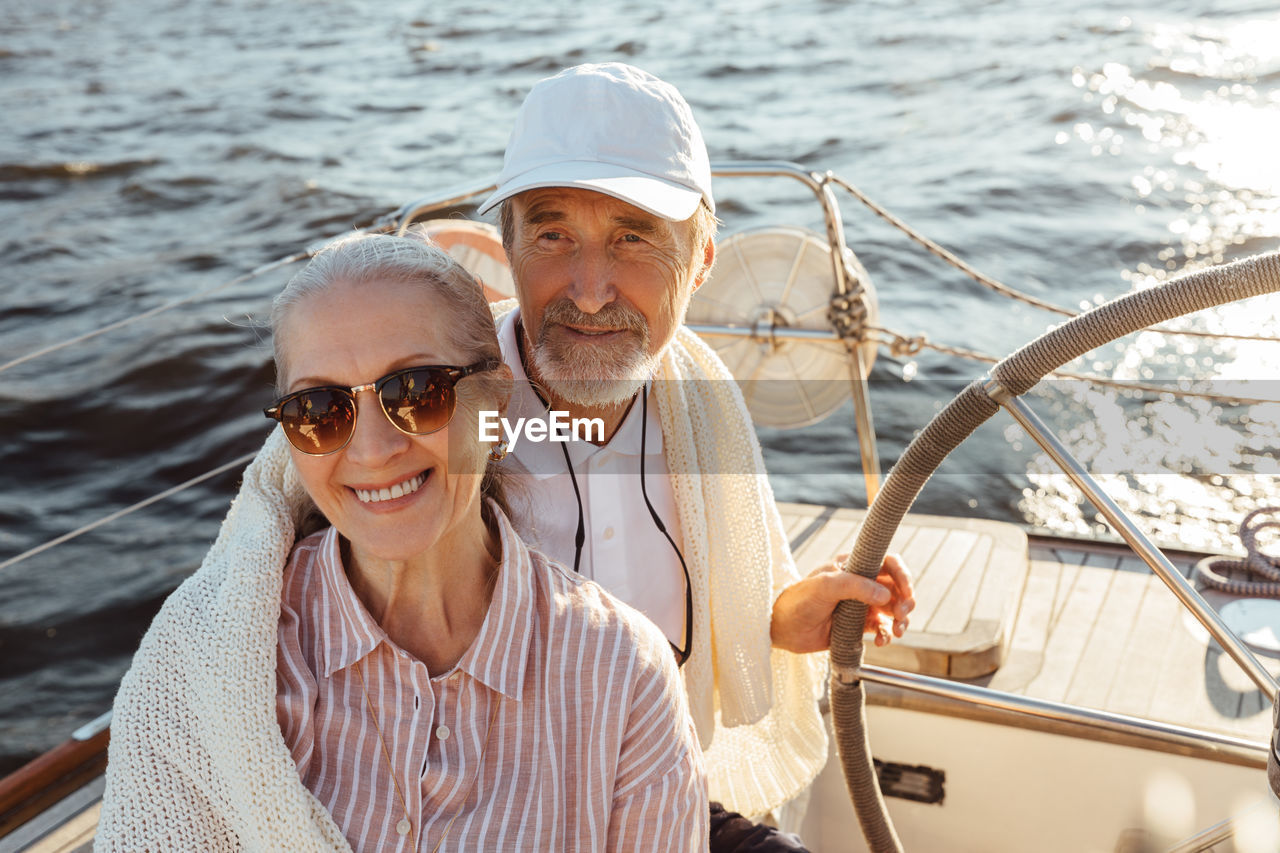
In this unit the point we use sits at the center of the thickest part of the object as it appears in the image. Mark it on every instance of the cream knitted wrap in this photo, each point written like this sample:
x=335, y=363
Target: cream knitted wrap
x=764, y=737
x=197, y=761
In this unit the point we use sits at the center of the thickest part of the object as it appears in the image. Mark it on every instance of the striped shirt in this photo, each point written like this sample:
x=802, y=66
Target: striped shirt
x=591, y=746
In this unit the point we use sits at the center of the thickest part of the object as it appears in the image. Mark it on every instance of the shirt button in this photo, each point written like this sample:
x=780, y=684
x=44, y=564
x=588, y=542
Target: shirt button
x=455, y=676
x=608, y=533
x=442, y=732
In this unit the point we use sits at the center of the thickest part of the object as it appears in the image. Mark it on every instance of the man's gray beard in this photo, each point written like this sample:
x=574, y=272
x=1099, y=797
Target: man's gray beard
x=590, y=376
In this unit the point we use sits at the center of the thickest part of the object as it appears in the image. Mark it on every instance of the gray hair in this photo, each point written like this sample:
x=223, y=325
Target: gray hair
x=366, y=258
x=369, y=258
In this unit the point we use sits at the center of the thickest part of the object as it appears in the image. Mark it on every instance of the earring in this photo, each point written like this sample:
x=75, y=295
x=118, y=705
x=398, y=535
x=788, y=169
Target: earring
x=498, y=452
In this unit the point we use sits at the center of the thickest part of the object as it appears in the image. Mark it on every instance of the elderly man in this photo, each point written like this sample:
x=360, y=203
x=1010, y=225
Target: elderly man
x=607, y=218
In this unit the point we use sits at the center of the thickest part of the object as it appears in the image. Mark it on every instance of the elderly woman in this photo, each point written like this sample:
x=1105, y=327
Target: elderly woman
x=409, y=676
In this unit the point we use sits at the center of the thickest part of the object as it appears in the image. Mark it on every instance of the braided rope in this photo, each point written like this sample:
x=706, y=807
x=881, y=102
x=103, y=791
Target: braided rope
x=1193, y=292
x=848, y=711
x=900, y=345
x=1264, y=569
x=1016, y=374
x=1005, y=290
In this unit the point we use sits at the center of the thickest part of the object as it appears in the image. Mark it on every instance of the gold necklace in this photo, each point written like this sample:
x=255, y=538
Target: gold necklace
x=404, y=826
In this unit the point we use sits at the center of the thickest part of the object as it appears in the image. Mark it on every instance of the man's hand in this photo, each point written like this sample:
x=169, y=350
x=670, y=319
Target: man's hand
x=802, y=614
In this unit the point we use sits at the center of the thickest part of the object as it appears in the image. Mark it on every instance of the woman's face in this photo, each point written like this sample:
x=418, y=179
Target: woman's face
x=351, y=335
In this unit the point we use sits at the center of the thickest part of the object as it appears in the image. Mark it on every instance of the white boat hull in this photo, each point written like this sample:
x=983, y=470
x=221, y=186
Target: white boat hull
x=1020, y=789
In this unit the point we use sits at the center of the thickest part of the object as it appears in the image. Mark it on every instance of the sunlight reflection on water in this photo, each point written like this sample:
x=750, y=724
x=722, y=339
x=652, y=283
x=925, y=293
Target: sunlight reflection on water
x=1188, y=468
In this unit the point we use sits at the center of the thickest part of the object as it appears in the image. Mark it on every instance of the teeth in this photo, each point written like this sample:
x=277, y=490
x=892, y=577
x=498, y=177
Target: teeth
x=399, y=490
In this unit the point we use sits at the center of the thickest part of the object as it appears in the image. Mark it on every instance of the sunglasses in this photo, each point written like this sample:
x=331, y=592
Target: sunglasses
x=417, y=401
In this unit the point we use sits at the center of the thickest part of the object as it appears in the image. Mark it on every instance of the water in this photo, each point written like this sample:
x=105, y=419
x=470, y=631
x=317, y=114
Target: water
x=152, y=149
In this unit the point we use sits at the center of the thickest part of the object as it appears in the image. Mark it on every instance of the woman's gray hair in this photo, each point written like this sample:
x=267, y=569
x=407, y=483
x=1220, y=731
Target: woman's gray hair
x=365, y=259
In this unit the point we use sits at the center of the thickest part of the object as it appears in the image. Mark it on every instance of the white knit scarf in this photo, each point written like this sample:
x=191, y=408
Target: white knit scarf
x=197, y=760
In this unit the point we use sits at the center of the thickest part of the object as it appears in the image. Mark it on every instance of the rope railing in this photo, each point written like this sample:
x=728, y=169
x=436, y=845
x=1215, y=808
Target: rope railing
x=153, y=312
x=898, y=344
x=901, y=345
x=120, y=513
x=388, y=220
x=303, y=255
x=990, y=283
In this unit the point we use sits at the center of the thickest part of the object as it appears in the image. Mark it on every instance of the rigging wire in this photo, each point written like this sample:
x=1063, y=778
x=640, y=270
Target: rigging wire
x=388, y=220
x=898, y=344
x=191, y=297
x=1003, y=289
x=146, y=502
x=152, y=312
x=901, y=345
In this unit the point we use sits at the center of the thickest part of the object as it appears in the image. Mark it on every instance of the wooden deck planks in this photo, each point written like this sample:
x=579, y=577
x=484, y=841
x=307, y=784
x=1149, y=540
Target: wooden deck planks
x=963, y=602
x=1070, y=632
x=836, y=536
x=1031, y=630
x=1143, y=654
x=1096, y=671
x=968, y=576
x=1002, y=581
x=1182, y=689
x=919, y=551
x=936, y=583
x=1090, y=625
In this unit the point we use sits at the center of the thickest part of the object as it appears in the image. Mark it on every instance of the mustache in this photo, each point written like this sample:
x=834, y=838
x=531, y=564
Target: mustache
x=614, y=315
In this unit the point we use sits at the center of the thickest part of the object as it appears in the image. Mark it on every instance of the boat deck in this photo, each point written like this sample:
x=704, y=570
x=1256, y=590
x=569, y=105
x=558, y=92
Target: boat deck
x=1076, y=622
x=1065, y=621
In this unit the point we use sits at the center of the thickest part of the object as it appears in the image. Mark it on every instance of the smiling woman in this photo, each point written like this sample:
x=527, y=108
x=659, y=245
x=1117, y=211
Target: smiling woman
x=392, y=678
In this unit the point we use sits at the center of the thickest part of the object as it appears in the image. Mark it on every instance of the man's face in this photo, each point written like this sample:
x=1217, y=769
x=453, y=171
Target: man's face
x=603, y=286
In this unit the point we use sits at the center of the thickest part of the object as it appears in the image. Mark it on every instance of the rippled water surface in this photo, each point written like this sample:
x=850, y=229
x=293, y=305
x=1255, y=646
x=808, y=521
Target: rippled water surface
x=150, y=150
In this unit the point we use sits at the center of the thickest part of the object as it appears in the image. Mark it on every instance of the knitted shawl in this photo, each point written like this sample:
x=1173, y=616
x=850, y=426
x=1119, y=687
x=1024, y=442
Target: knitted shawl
x=197, y=760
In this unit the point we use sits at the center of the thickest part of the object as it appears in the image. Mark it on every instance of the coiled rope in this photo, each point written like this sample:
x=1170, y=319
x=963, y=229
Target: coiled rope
x=1264, y=570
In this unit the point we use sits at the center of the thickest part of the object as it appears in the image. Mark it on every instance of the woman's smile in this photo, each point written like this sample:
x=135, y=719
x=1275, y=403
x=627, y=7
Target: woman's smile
x=394, y=492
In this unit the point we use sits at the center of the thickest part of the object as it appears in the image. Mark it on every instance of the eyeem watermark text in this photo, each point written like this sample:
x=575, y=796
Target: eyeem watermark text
x=557, y=427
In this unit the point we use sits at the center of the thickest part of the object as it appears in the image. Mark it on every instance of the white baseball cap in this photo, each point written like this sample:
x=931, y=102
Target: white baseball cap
x=614, y=129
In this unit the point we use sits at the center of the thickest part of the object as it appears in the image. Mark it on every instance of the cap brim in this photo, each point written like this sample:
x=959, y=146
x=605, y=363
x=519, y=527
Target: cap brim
x=654, y=195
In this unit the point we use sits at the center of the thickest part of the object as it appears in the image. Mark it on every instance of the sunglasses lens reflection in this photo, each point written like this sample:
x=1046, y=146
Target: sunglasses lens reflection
x=419, y=401
x=319, y=421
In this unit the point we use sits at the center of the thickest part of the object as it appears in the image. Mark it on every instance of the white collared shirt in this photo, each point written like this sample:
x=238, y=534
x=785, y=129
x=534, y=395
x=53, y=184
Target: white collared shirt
x=624, y=551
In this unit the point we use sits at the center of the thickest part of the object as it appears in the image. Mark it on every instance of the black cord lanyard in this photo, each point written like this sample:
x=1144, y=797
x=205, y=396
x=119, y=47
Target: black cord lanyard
x=682, y=655
x=580, y=536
